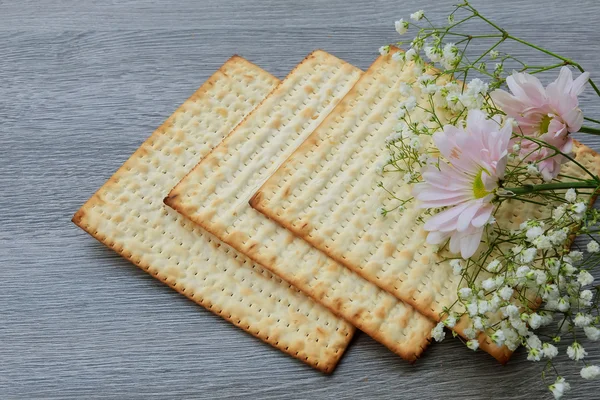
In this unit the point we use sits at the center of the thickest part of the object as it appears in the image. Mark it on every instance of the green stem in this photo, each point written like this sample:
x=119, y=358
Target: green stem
x=542, y=69
x=526, y=43
x=526, y=189
x=587, y=129
x=489, y=50
x=475, y=12
x=591, y=120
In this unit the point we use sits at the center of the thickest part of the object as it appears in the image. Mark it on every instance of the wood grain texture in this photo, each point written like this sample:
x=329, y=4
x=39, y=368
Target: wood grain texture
x=82, y=84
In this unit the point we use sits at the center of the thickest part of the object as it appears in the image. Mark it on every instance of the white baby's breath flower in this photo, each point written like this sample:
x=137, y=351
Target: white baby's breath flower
x=540, y=276
x=495, y=303
x=417, y=16
x=534, y=342
x=472, y=309
x=563, y=304
x=575, y=255
x=542, y=242
x=585, y=297
x=471, y=101
x=477, y=86
x=547, y=317
x=571, y=195
x=450, y=322
x=473, y=344
x=410, y=103
x=384, y=50
x=582, y=320
x=406, y=89
x=550, y=292
x=494, y=266
x=534, y=232
x=593, y=246
x=407, y=177
x=478, y=323
x=506, y=293
x=500, y=279
x=381, y=211
x=559, y=387
x=590, y=372
x=401, y=26
x=433, y=53
x=585, y=278
x=532, y=170
x=449, y=56
x=592, y=333
x=483, y=306
x=567, y=269
x=511, y=311
x=456, y=267
x=398, y=57
x=470, y=333
x=516, y=147
x=576, y=352
x=438, y=332
x=410, y=55
x=489, y=284
x=465, y=293
x=528, y=255
x=432, y=88
x=558, y=237
x=523, y=272
x=535, y=321
x=493, y=54
x=558, y=213
x=534, y=354
x=512, y=339
x=425, y=80
x=520, y=326
x=578, y=209
x=498, y=337
x=550, y=351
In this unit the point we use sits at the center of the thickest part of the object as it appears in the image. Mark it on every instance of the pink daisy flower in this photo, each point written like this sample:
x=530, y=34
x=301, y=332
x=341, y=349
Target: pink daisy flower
x=546, y=113
x=476, y=159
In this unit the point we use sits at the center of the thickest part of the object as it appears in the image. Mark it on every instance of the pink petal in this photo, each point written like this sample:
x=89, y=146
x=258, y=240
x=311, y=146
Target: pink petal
x=442, y=217
x=482, y=216
x=455, y=242
x=579, y=84
x=562, y=84
x=574, y=119
x=470, y=243
x=507, y=102
x=465, y=218
x=436, y=237
x=527, y=88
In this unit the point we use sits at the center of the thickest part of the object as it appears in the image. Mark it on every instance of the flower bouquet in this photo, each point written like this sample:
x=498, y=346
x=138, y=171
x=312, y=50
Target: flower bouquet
x=494, y=138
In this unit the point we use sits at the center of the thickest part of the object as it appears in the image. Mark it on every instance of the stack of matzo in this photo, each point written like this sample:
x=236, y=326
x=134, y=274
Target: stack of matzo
x=239, y=128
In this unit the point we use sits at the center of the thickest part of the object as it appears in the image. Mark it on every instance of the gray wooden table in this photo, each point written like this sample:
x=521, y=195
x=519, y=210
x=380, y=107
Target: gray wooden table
x=82, y=84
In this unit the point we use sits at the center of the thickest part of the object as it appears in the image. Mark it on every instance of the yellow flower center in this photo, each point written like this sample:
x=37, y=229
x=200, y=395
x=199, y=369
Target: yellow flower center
x=545, y=124
x=478, y=185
